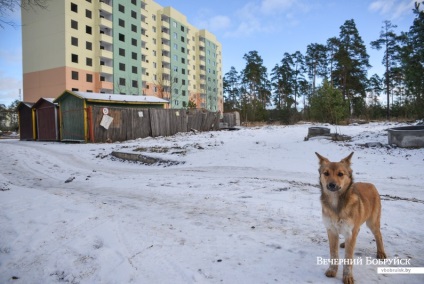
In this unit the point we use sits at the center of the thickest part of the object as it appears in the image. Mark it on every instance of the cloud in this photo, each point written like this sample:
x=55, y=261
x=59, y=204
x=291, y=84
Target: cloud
x=393, y=9
x=266, y=16
x=275, y=6
x=205, y=20
x=9, y=89
x=219, y=23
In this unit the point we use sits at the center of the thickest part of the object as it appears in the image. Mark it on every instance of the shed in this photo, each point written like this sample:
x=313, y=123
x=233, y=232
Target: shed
x=26, y=121
x=76, y=111
x=47, y=120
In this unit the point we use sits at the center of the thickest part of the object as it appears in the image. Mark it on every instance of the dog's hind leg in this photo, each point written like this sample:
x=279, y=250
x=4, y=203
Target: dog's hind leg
x=333, y=239
x=374, y=226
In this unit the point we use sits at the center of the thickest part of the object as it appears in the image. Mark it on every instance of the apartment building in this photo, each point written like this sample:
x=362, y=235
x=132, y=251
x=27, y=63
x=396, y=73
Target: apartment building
x=129, y=47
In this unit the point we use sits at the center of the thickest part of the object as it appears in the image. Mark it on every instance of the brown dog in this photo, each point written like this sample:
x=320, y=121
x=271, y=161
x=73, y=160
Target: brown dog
x=345, y=207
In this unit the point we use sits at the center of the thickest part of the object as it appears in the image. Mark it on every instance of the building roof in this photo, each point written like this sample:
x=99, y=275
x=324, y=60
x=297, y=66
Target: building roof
x=117, y=97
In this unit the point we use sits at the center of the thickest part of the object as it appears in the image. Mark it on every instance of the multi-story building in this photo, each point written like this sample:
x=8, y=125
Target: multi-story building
x=131, y=47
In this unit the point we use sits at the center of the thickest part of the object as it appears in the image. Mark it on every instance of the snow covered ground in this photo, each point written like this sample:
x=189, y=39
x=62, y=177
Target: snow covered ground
x=241, y=207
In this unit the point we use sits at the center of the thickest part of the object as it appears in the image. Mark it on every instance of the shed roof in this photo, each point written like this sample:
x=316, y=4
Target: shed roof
x=114, y=98
x=22, y=104
x=41, y=100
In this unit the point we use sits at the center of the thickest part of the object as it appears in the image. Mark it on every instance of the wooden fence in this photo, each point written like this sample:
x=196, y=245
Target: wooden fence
x=133, y=123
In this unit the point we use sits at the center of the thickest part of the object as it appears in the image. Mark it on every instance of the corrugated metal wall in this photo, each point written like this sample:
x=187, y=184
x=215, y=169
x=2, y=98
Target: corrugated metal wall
x=72, y=119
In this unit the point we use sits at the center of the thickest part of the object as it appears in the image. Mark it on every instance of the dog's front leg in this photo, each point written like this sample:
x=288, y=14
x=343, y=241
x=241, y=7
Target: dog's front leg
x=333, y=239
x=350, y=242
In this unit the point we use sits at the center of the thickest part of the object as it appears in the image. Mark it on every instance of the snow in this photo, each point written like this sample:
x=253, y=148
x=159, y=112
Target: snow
x=118, y=97
x=240, y=207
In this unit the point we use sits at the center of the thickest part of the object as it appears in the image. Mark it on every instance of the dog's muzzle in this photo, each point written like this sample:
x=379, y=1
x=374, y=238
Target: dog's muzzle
x=332, y=186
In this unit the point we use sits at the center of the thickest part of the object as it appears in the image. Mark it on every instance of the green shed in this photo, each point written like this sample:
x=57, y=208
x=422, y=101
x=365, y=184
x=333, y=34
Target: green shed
x=76, y=111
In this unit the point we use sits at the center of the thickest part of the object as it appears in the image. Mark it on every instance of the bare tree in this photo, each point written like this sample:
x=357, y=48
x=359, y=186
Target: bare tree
x=8, y=7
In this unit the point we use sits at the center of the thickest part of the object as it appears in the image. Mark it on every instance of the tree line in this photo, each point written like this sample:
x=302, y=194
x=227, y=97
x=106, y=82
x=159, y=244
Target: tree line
x=329, y=82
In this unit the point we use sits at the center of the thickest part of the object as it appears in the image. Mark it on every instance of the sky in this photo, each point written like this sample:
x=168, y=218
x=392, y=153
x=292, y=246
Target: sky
x=270, y=27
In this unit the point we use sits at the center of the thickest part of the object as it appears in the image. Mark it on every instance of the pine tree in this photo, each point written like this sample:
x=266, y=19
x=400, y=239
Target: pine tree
x=389, y=41
x=350, y=74
x=412, y=57
x=316, y=62
x=231, y=82
x=255, y=81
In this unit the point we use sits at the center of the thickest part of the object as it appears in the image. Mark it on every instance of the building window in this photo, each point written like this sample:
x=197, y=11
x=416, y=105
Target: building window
x=74, y=75
x=122, y=66
x=89, y=78
x=89, y=61
x=88, y=45
x=182, y=71
x=183, y=60
x=182, y=49
x=121, y=8
x=134, y=83
x=175, y=46
x=88, y=30
x=74, y=58
x=134, y=14
x=134, y=55
x=134, y=42
x=74, y=24
x=134, y=69
x=182, y=39
x=122, y=81
x=74, y=7
x=175, y=57
x=75, y=90
x=174, y=35
x=122, y=52
x=134, y=28
x=121, y=37
x=183, y=93
x=182, y=28
x=134, y=2
x=121, y=23
x=74, y=41
x=88, y=13
x=174, y=23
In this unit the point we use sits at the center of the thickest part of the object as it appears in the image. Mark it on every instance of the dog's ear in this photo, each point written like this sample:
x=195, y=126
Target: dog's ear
x=322, y=160
x=347, y=159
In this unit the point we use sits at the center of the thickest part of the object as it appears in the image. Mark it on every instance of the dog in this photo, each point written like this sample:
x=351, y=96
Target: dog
x=346, y=205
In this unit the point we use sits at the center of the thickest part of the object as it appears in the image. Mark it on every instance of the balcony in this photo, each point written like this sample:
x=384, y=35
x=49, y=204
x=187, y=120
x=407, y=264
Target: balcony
x=106, y=54
x=104, y=85
x=106, y=38
x=105, y=6
x=105, y=23
x=165, y=36
x=106, y=69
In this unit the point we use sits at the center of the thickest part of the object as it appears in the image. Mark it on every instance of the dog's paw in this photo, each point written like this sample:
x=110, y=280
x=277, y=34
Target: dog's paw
x=348, y=279
x=381, y=255
x=331, y=271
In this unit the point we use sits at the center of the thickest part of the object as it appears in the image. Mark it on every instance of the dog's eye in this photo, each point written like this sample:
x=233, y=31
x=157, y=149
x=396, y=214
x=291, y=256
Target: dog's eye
x=326, y=174
x=340, y=174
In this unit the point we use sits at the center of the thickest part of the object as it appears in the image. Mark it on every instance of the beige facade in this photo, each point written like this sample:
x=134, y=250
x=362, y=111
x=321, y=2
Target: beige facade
x=132, y=47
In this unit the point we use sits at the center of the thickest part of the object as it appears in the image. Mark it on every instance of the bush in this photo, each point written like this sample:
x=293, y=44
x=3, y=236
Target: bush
x=328, y=105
